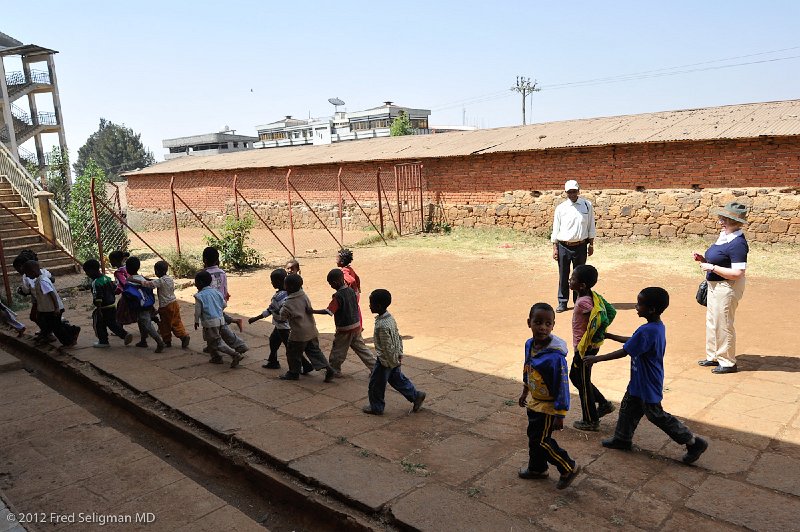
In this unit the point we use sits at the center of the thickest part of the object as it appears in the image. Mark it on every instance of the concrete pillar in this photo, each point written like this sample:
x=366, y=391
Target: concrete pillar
x=26, y=70
x=7, y=116
x=44, y=218
x=62, y=139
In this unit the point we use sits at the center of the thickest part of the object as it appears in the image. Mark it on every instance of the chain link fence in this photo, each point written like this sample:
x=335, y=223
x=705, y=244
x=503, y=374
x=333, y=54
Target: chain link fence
x=302, y=212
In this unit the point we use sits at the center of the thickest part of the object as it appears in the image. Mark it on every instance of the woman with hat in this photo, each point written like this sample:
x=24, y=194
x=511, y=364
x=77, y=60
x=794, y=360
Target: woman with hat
x=724, y=263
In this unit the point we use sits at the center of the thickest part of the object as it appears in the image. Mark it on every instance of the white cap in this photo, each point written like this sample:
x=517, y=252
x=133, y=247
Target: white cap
x=571, y=185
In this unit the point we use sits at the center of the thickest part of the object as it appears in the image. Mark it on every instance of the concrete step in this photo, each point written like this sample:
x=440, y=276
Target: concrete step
x=7, y=220
x=21, y=239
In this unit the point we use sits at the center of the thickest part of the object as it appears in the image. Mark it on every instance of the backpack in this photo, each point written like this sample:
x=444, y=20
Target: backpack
x=138, y=297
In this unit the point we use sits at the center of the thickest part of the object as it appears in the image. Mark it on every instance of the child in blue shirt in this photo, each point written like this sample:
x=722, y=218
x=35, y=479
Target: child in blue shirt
x=208, y=313
x=646, y=388
x=545, y=393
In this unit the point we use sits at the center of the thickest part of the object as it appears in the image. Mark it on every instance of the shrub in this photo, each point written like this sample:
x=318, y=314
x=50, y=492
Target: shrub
x=184, y=265
x=232, y=245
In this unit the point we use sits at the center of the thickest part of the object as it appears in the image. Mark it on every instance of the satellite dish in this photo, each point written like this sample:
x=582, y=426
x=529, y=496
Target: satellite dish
x=335, y=101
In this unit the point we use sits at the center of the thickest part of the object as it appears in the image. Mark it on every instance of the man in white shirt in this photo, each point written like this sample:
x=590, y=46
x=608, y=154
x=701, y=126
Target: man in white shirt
x=573, y=237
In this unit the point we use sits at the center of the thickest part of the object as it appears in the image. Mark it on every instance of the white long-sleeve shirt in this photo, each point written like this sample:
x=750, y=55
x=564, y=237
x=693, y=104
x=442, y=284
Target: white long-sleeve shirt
x=573, y=222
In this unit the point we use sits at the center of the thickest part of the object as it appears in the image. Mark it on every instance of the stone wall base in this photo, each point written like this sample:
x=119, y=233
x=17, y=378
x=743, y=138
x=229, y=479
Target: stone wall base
x=621, y=214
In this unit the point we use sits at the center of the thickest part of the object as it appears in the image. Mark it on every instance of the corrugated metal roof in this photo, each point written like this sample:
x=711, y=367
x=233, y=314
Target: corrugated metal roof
x=728, y=122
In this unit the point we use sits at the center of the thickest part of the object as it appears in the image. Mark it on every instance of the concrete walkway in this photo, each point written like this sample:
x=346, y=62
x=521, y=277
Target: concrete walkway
x=62, y=468
x=453, y=465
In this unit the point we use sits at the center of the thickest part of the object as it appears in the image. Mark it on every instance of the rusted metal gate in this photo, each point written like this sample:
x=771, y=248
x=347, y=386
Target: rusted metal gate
x=409, y=186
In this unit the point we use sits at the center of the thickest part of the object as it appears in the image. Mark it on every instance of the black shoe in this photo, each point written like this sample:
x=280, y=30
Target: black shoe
x=185, y=341
x=707, y=363
x=605, y=409
x=368, y=410
x=142, y=344
x=271, y=364
x=561, y=307
x=613, y=443
x=330, y=373
x=289, y=376
x=694, y=451
x=725, y=369
x=307, y=369
x=527, y=474
x=167, y=344
x=567, y=479
x=418, y=400
x=215, y=359
x=587, y=426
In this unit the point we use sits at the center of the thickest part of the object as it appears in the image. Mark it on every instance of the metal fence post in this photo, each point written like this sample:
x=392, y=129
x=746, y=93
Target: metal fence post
x=421, y=199
x=399, y=205
x=235, y=195
x=97, y=232
x=380, y=203
x=341, y=214
x=174, y=215
x=291, y=219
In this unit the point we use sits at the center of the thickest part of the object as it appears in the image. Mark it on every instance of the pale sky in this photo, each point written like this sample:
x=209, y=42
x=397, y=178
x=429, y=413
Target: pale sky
x=170, y=68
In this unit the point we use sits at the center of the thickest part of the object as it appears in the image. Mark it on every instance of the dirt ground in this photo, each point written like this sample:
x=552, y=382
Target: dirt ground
x=485, y=300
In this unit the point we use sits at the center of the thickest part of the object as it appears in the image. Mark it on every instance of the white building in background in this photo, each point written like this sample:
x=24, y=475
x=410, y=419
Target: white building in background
x=207, y=144
x=342, y=126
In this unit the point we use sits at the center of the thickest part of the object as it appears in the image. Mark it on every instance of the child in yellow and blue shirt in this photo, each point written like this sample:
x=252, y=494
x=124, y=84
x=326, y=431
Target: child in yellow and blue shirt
x=545, y=393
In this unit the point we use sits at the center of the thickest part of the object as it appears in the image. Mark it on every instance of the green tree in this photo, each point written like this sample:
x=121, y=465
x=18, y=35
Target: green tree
x=116, y=149
x=401, y=125
x=232, y=244
x=58, y=177
x=81, y=220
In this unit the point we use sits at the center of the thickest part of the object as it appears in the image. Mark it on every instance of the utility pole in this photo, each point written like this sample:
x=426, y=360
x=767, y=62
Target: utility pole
x=525, y=87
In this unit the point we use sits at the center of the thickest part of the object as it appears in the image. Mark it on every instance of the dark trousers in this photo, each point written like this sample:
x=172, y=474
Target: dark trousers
x=631, y=411
x=281, y=336
x=568, y=258
x=581, y=376
x=105, y=319
x=294, y=355
x=542, y=448
x=51, y=323
x=380, y=376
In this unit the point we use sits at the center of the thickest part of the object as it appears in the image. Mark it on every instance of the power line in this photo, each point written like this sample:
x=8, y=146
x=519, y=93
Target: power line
x=647, y=74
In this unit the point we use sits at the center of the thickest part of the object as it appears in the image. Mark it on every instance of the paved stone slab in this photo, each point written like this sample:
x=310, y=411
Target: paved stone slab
x=464, y=404
x=229, y=413
x=473, y=455
x=235, y=378
x=744, y=505
x=141, y=377
x=683, y=520
x=174, y=505
x=275, y=393
x=33, y=406
x=435, y=507
x=188, y=392
x=56, y=420
x=407, y=434
x=777, y=472
x=721, y=457
x=226, y=518
x=9, y=362
x=131, y=479
x=182, y=359
x=628, y=469
x=730, y=425
x=310, y=406
x=285, y=440
x=344, y=470
x=346, y=421
x=506, y=425
x=349, y=390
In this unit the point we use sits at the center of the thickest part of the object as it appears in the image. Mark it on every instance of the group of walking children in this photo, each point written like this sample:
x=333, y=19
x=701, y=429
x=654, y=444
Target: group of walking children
x=546, y=394
x=47, y=308
x=295, y=327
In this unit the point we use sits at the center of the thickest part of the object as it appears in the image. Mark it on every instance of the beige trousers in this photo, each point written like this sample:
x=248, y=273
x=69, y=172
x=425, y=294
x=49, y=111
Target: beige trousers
x=342, y=341
x=723, y=298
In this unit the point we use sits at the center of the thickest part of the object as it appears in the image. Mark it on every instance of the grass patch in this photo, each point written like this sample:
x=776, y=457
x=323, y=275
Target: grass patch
x=414, y=468
x=473, y=491
x=375, y=238
x=185, y=265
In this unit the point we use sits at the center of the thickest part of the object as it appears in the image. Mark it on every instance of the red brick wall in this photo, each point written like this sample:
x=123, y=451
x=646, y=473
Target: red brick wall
x=481, y=179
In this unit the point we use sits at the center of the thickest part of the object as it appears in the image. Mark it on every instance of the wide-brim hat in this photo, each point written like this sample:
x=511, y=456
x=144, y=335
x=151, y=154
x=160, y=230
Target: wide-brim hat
x=734, y=210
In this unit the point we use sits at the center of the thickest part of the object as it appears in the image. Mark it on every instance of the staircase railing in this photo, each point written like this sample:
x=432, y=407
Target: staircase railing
x=26, y=187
